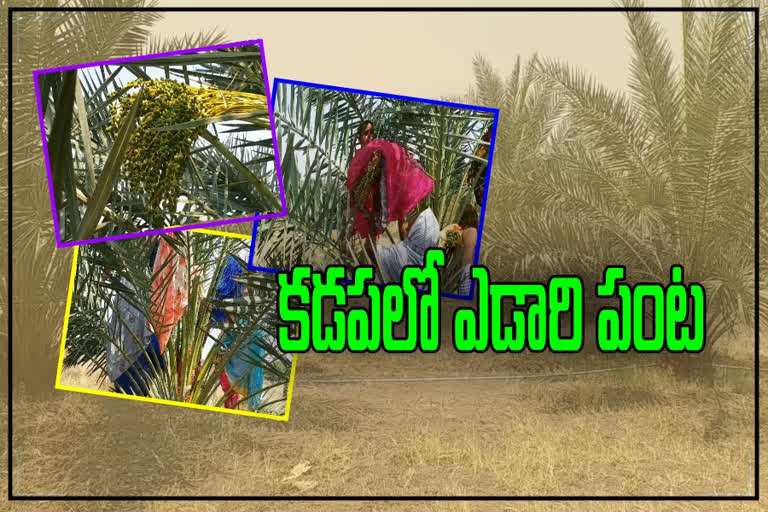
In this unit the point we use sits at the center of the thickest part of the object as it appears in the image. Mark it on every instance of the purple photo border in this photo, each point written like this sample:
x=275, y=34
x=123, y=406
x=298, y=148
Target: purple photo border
x=496, y=113
x=282, y=213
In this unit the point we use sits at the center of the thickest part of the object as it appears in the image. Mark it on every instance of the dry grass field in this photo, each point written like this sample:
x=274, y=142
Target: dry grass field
x=637, y=431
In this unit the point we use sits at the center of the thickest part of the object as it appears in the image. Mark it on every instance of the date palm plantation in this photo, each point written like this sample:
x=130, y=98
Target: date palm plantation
x=629, y=432
x=582, y=176
x=159, y=142
x=587, y=177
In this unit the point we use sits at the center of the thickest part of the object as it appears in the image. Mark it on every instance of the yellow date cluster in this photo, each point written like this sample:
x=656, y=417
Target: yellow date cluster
x=155, y=160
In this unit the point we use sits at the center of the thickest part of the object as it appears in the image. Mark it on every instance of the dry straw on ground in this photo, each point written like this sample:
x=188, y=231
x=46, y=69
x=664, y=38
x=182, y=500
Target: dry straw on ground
x=634, y=432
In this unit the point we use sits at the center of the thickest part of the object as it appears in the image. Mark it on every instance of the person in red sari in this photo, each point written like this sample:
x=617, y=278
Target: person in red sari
x=385, y=184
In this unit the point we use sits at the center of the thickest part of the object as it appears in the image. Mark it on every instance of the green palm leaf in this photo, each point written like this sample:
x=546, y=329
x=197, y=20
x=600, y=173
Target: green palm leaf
x=207, y=173
x=109, y=174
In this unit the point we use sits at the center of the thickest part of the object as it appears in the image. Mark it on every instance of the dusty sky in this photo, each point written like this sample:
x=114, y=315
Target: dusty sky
x=425, y=55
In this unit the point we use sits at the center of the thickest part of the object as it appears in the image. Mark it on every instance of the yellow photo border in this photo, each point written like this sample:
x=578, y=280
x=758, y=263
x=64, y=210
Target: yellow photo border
x=76, y=389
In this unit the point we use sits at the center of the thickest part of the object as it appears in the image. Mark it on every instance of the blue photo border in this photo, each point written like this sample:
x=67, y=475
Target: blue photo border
x=488, y=169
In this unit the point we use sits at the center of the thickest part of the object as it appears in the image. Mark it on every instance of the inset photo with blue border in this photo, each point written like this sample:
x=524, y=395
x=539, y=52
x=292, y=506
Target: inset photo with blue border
x=377, y=179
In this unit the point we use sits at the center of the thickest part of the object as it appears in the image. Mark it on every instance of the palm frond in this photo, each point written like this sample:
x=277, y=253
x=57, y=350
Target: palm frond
x=238, y=119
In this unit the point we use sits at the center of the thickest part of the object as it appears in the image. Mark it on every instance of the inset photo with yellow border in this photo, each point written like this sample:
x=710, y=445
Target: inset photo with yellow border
x=177, y=319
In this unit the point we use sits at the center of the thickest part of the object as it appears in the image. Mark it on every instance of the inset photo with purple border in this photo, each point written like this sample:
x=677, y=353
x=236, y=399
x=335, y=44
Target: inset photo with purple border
x=377, y=179
x=160, y=143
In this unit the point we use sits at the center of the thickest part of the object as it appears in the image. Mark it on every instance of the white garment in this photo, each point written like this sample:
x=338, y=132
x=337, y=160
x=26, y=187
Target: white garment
x=465, y=281
x=424, y=234
x=122, y=349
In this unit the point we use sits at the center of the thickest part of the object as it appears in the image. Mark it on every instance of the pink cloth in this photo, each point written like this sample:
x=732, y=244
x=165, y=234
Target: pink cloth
x=407, y=183
x=168, y=307
x=225, y=386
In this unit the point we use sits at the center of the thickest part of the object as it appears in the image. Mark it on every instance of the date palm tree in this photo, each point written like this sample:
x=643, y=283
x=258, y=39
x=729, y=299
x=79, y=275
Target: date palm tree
x=186, y=373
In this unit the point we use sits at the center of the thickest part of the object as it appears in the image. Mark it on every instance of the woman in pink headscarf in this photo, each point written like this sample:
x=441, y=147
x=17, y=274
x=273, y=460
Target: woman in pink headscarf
x=385, y=183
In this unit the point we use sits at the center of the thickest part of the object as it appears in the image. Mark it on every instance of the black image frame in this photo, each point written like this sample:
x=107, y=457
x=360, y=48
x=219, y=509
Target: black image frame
x=754, y=497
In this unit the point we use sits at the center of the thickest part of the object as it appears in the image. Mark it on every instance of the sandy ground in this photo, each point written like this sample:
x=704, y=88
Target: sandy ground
x=640, y=432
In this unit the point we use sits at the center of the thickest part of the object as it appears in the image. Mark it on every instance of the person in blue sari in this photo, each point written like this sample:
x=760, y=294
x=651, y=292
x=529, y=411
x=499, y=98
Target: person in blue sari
x=244, y=370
